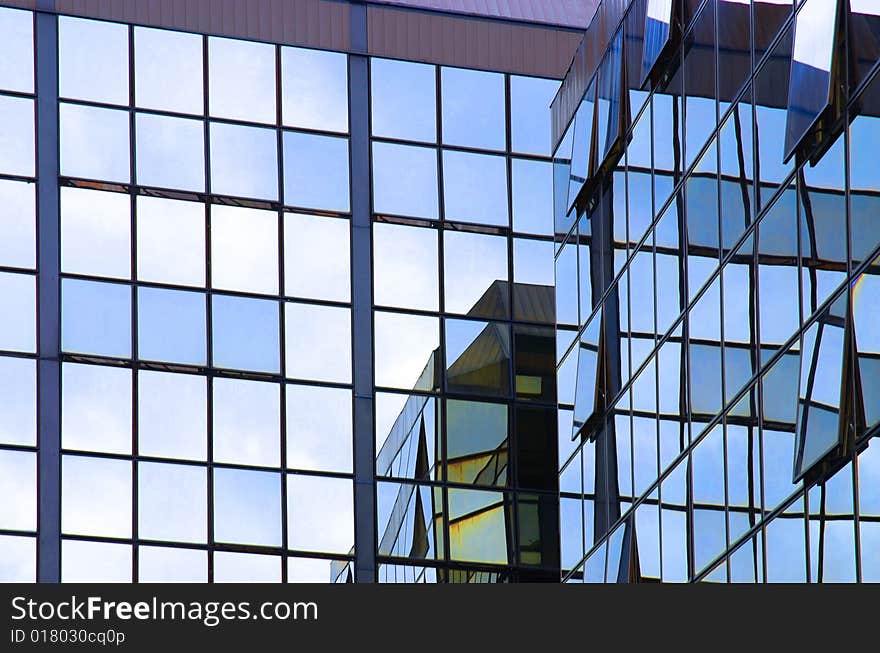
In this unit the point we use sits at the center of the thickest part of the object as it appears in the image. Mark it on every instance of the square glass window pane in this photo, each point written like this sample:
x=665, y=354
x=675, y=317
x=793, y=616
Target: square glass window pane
x=18, y=487
x=92, y=60
x=171, y=326
x=405, y=268
x=478, y=357
x=170, y=152
x=247, y=507
x=473, y=108
x=320, y=514
x=245, y=334
x=18, y=556
x=17, y=136
x=18, y=303
x=314, y=89
x=407, y=350
x=532, y=196
x=168, y=70
x=317, y=258
x=95, y=496
x=318, y=342
x=95, y=562
x=172, y=502
x=404, y=100
x=475, y=274
x=17, y=63
x=319, y=428
x=170, y=241
x=18, y=236
x=241, y=80
x=172, y=415
x=95, y=233
x=316, y=171
x=96, y=408
x=310, y=570
x=244, y=249
x=478, y=528
x=94, y=143
x=96, y=318
x=533, y=263
x=159, y=564
x=246, y=568
x=247, y=422
x=405, y=180
x=530, y=99
x=244, y=161
x=475, y=188
x=18, y=401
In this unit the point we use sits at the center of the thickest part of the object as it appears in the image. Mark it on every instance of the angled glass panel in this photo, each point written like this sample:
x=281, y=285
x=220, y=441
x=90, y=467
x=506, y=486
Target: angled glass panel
x=403, y=100
x=809, y=90
x=770, y=114
x=563, y=219
x=475, y=274
x=18, y=235
x=317, y=342
x=472, y=104
x=96, y=496
x=170, y=241
x=17, y=136
x=407, y=351
x=244, y=249
x=532, y=191
x=866, y=291
x=95, y=233
x=530, y=99
x=172, y=415
x=18, y=485
x=170, y=152
x=96, y=318
x=405, y=180
x=317, y=261
x=314, y=89
x=94, y=143
x=244, y=161
x=241, y=80
x=316, y=171
x=613, y=118
x=478, y=357
x=659, y=18
x=247, y=422
x=582, y=145
x=168, y=70
x=864, y=30
x=475, y=188
x=325, y=524
x=95, y=562
x=405, y=267
x=247, y=507
x=160, y=564
x=17, y=36
x=319, y=428
x=587, y=390
x=96, y=408
x=246, y=568
x=92, y=60
x=171, y=326
x=18, y=401
x=172, y=502
x=245, y=334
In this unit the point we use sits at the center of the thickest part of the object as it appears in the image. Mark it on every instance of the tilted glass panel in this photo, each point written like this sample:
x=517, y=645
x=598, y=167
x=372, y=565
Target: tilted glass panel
x=582, y=145
x=587, y=393
x=612, y=108
x=865, y=295
x=659, y=18
x=314, y=89
x=168, y=70
x=864, y=182
x=563, y=218
x=864, y=36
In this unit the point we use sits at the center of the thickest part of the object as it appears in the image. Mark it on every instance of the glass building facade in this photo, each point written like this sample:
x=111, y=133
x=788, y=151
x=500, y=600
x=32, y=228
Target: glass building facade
x=253, y=266
x=718, y=293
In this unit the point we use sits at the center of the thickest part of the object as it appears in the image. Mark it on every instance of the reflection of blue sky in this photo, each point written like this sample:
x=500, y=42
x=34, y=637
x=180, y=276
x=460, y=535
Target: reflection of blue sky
x=18, y=557
x=318, y=342
x=404, y=100
x=245, y=333
x=247, y=507
x=319, y=428
x=96, y=408
x=170, y=152
x=96, y=318
x=533, y=262
x=471, y=263
x=405, y=180
x=316, y=171
x=404, y=344
x=158, y=564
x=93, y=60
x=475, y=188
x=93, y=221
x=530, y=99
x=96, y=496
x=18, y=296
x=94, y=143
x=247, y=421
x=246, y=568
x=316, y=257
x=172, y=415
x=172, y=502
x=17, y=136
x=314, y=87
x=18, y=226
x=320, y=513
x=472, y=105
x=171, y=326
x=405, y=270
x=18, y=410
x=17, y=36
x=168, y=70
x=532, y=191
x=18, y=487
x=244, y=161
x=240, y=71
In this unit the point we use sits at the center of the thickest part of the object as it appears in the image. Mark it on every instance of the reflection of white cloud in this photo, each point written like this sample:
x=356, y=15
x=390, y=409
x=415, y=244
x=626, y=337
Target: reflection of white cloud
x=18, y=237
x=158, y=564
x=404, y=344
x=18, y=557
x=168, y=70
x=319, y=428
x=170, y=241
x=471, y=263
x=18, y=298
x=244, y=249
x=247, y=422
x=317, y=260
x=246, y=568
x=320, y=514
x=247, y=507
x=387, y=407
x=94, y=143
x=172, y=415
x=318, y=342
x=244, y=161
x=172, y=502
x=405, y=180
x=96, y=408
x=405, y=267
x=95, y=233
x=18, y=487
x=95, y=562
x=475, y=187
x=473, y=108
x=93, y=60
x=18, y=401
x=308, y=570
x=242, y=79
x=404, y=99
x=17, y=136
x=95, y=496
x=17, y=62
x=170, y=152
x=314, y=87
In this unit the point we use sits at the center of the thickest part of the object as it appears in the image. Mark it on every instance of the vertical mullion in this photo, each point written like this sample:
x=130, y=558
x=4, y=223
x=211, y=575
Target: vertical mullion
x=209, y=379
x=132, y=126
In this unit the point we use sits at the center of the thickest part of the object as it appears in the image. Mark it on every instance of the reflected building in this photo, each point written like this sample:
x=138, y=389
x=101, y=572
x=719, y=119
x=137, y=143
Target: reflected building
x=717, y=287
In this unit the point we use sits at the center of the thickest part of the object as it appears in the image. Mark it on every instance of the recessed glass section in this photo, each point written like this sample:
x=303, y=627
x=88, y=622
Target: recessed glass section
x=318, y=342
x=473, y=108
x=96, y=318
x=247, y=507
x=532, y=190
x=94, y=143
x=18, y=235
x=405, y=180
x=244, y=249
x=18, y=401
x=320, y=514
x=316, y=171
x=319, y=428
x=404, y=100
x=170, y=241
x=172, y=415
x=405, y=268
x=314, y=89
x=95, y=496
x=244, y=161
x=475, y=188
x=95, y=233
x=92, y=60
x=241, y=80
x=17, y=64
x=170, y=152
x=18, y=303
x=245, y=333
x=171, y=326
x=247, y=422
x=317, y=258
x=407, y=350
x=168, y=70
x=530, y=99
x=475, y=274
x=18, y=486
x=96, y=405
x=172, y=502
x=17, y=136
